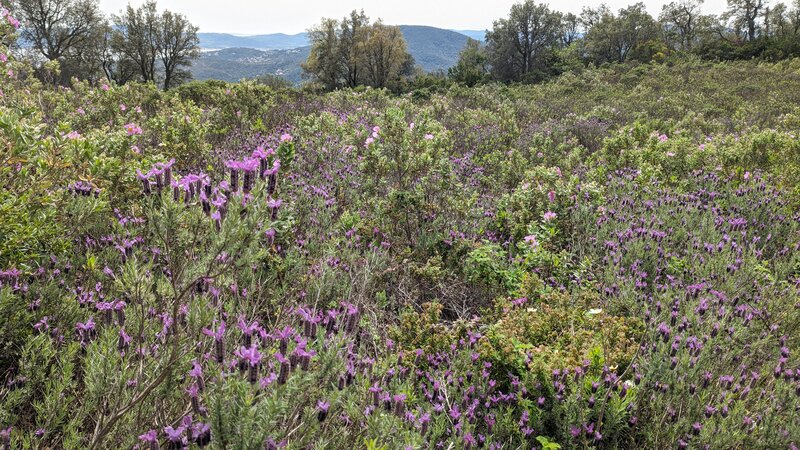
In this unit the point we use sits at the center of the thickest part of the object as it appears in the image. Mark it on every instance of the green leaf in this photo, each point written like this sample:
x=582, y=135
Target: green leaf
x=547, y=444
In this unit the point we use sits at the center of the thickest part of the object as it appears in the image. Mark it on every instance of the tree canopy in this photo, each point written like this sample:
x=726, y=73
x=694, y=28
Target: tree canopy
x=139, y=44
x=354, y=52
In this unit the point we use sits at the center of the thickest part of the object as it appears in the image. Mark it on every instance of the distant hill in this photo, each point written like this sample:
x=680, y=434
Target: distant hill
x=230, y=58
x=234, y=64
x=478, y=35
x=433, y=48
x=276, y=41
x=218, y=41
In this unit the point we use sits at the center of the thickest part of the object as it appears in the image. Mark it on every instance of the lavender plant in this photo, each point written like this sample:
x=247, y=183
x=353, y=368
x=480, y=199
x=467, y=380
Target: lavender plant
x=608, y=260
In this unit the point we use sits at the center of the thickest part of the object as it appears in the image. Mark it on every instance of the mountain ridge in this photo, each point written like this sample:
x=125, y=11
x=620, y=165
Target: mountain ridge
x=286, y=41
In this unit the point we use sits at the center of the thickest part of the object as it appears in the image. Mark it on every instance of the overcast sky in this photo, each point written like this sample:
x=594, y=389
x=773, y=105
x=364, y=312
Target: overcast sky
x=294, y=16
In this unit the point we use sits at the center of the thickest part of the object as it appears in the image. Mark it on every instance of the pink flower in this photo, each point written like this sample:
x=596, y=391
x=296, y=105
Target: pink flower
x=73, y=135
x=3, y=57
x=549, y=215
x=122, y=107
x=531, y=239
x=105, y=87
x=369, y=141
x=551, y=196
x=133, y=129
x=663, y=138
x=747, y=175
x=428, y=137
x=286, y=137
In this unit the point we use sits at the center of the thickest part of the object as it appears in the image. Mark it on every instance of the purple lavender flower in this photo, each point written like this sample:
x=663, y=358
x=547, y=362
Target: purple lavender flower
x=150, y=439
x=250, y=358
x=201, y=433
x=285, y=369
x=399, y=404
x=322, y=407
x=176, y=439
x=219, y=343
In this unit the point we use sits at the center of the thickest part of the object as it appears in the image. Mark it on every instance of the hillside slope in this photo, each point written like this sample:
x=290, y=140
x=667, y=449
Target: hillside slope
x=234, y=64
x=433, y=48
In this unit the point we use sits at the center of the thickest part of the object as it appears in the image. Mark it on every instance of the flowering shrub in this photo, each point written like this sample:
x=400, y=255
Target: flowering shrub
x=693, y=264
x=609, y=260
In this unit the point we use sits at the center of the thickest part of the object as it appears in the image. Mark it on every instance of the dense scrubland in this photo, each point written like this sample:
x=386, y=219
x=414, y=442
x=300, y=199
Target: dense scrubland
x=606, y=260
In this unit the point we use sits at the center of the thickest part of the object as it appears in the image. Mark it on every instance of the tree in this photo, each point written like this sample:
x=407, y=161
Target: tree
x=85, y=60
x=62, y=30
x=745, y=15
x=116, y=66
x=136, y=38
x=616, y=38
x=592, y=16
x=353, y=36
x=53, y=27
x=160, y=45
x=680, y=21
x=521, y=47
x=386, y=58
x=779, y=39
x=570, y=29
x=794, y=18
x=776, y=21
x=324, y=61
x=782, y=21
x=178, y=45
x=354, y=52
x=472, y=65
